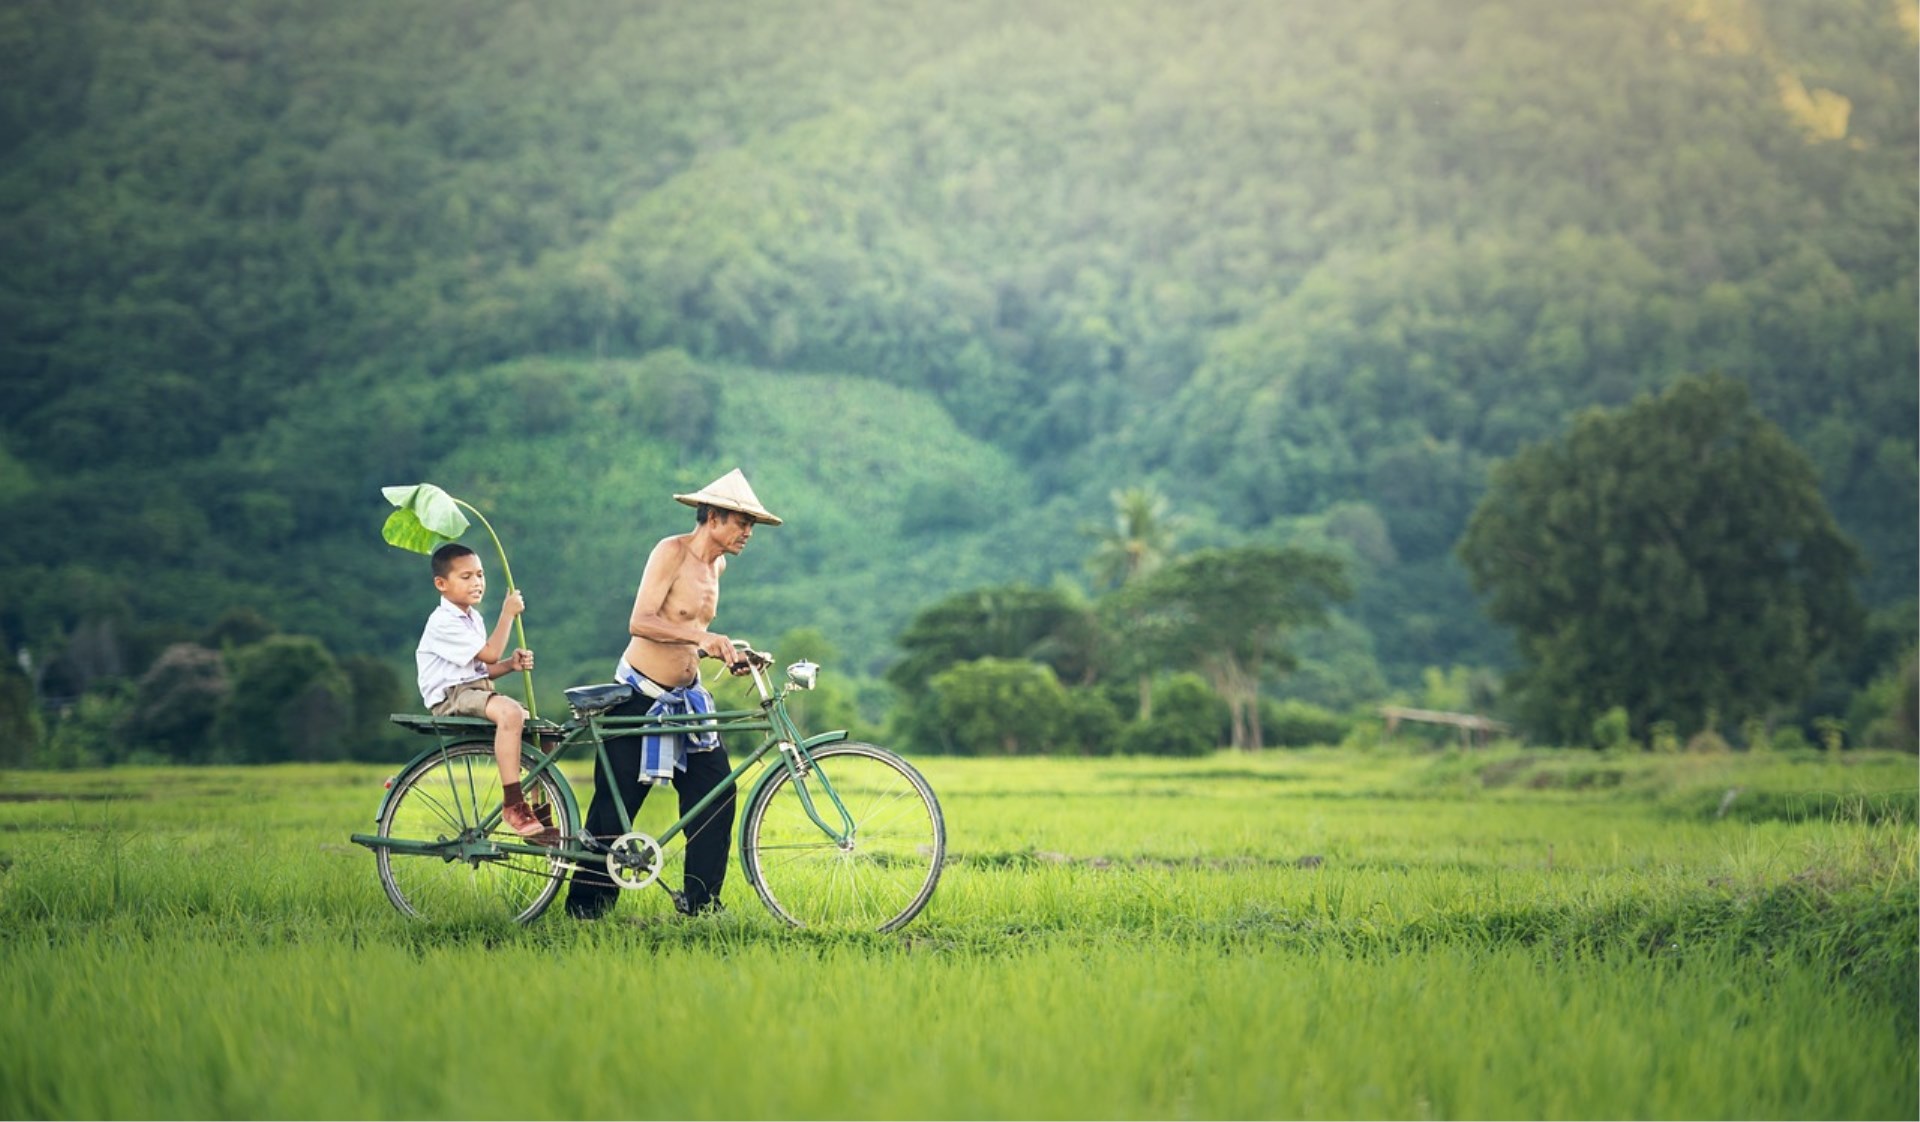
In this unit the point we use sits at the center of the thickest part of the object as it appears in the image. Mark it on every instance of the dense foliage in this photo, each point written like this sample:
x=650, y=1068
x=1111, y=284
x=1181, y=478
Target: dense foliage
x=1673, y=558
x=940, y=278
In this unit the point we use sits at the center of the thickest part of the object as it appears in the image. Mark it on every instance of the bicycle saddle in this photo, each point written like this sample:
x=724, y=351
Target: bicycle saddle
x=588, y=700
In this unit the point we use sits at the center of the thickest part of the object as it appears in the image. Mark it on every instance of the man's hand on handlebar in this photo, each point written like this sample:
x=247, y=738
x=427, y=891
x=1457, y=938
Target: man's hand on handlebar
x=749, y=658
x=739, y=657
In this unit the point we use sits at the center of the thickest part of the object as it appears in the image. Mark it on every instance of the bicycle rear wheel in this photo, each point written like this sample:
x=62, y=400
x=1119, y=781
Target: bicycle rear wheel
x=443, y=798
x=875, y=877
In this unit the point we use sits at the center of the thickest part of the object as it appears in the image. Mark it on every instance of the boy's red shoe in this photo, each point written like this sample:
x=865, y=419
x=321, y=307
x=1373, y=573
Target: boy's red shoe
x=520, y=818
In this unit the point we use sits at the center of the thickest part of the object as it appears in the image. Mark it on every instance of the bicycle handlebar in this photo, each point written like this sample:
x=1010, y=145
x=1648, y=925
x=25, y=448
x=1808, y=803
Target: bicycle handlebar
x=753, y=659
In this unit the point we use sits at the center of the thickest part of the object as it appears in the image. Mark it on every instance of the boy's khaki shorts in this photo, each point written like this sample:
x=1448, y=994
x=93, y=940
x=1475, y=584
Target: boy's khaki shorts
x=468, y=699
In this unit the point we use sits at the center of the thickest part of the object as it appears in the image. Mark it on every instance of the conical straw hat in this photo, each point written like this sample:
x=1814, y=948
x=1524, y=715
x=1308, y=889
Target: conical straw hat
x=731, y=492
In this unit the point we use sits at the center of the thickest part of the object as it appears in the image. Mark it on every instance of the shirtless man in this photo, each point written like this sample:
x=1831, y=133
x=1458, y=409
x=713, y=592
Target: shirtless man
x=671, y=631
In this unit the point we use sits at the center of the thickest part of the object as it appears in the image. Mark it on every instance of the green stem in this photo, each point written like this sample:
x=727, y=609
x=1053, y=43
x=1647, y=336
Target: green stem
x=519, y=624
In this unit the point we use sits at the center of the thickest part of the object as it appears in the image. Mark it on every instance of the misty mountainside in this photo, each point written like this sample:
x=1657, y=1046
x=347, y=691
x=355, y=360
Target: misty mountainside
x=939, y=277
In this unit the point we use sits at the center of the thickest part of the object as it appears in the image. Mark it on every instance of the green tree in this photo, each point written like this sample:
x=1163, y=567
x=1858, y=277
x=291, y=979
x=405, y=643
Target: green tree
x=177, y=701
x=998, y=706
x=237, y=627
x=290, y=701
x=1009, y=622
x=1138, y=541
x=377, y=694
x=1227, y=613
x=1673, y=558
x=1015, y=623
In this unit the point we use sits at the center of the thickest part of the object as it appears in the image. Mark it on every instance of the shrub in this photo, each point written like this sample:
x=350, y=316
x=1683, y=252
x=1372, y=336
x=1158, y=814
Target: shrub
x=1092, y=724
x=1887, y=711
x=1188, y=698
x=1613, y=729
x=1300, y=724
x=1365, y=734
x=1162, y=737
x=1833, y=733
x=87, y=733
x=1000, y=706
x=1789, y=739
x=1189, y=719
x=1707, y=740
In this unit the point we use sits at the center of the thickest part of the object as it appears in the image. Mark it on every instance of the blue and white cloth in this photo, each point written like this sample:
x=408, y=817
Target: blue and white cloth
x=663, y=753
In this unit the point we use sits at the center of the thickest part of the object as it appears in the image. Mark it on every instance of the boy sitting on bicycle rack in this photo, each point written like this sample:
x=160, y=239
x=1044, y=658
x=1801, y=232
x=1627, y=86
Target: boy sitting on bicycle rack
x=458, y=661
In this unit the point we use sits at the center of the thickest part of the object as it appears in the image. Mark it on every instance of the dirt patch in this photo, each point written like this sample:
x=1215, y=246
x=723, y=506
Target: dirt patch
x=1576, y=779
x=1102, y=861
x=1231, y=773
x=1503, y=772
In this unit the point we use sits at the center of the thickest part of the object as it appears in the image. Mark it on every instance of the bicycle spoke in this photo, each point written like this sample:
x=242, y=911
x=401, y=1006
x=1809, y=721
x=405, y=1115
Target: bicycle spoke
x=470, y=883
x=449, y=818
x=876, y=877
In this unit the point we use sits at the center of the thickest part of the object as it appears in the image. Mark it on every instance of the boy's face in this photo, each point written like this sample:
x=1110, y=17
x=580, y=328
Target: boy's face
x=465, y=583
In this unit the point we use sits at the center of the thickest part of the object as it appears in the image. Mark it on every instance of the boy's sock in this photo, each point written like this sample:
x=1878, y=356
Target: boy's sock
x=512, y=794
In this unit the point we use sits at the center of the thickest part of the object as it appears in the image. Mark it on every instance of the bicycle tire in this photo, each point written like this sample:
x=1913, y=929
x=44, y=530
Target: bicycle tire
x=877, y=881
x=442, y=798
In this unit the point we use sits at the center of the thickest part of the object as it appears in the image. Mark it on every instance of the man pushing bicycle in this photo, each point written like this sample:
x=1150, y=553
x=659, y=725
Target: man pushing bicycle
x=670, y=631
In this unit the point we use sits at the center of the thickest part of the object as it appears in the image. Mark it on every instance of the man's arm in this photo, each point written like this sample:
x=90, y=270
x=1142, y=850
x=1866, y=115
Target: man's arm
x=649, y=619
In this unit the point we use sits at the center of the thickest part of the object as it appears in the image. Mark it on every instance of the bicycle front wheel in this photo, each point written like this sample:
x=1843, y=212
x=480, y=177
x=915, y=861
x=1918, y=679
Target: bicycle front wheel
x=443, y=799
x=870, y=868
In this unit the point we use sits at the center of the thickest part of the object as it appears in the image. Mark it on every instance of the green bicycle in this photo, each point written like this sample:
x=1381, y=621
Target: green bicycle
x=835, y=834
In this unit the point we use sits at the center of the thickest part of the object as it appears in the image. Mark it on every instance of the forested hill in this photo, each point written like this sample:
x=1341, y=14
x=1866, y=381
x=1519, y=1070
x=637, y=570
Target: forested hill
x=940, y=276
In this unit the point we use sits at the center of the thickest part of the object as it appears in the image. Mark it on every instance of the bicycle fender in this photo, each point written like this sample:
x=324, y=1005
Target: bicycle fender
x=392, y=780
x=566, y=788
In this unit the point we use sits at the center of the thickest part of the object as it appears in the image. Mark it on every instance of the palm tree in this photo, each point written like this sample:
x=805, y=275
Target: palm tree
x=1140, y=539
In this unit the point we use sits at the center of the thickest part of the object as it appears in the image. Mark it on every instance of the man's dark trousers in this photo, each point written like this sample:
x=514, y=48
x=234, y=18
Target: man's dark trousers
x=709, y=837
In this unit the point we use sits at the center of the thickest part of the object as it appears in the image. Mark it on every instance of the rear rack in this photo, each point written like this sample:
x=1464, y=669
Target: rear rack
x=446, y=726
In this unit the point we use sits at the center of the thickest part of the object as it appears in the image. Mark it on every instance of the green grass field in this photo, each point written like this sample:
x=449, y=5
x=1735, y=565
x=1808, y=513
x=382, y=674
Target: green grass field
x=1324, y=934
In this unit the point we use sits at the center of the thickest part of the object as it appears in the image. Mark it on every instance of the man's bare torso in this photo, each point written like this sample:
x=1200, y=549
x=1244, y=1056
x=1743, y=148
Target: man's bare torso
x=691, y=600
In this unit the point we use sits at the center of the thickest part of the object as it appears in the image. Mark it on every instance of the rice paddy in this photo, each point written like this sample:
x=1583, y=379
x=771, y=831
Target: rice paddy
x=1500, y=933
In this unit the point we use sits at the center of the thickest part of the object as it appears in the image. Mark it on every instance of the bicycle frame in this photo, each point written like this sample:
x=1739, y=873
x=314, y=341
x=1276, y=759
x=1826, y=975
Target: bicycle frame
x=771, y=719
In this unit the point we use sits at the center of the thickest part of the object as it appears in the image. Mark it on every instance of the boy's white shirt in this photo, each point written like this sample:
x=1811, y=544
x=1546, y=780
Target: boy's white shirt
x=448, y=650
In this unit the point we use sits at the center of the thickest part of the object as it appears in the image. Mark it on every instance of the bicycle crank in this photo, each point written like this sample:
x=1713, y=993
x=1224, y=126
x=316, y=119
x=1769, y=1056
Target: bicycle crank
x=634, y=860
